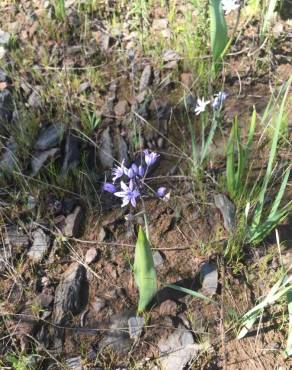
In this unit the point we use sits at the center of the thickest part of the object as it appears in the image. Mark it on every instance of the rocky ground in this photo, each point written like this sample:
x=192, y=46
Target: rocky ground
x=78, y=96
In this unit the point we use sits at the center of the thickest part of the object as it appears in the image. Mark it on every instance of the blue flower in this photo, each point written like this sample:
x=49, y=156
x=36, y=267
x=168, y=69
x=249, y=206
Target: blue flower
x=219, y=99
x=150, y=157
x=129, y=194
x=119, y=171
x=109, y=187
x=141, y=171
x=160, y=192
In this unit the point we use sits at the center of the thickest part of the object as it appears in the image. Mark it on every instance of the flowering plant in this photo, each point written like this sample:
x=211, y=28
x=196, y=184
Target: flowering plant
x=129, y=183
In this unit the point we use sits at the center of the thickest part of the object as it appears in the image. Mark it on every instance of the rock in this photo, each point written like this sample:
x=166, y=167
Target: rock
x=122, y=150
x=105, y=152
x=15, y=238
x=227, y=209
x=35, y=100
x=44, y=300
x=72, y=153
x=187, y=80
x=40, y=246
x=170, y=55
x=74, y=363
x=117, y=338
x=40, y=158
x=70, y=297
x=98, y=304
x=145, y=78
x=209, y=277
x=6, y=107
x=157, y=259
x=50, y=137
x=159, y=24
x=178, y=349
x=168, y=308
x=136, y=325
x=4, y=37
x=3, y=52
x=91, y=255
x=73, y=223
x=8, y=160
x=121, y=108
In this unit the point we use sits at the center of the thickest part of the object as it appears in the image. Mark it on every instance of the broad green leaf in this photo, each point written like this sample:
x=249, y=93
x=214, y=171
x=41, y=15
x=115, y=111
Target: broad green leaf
x=218, y=31
x=248, y=324
x=144, y=271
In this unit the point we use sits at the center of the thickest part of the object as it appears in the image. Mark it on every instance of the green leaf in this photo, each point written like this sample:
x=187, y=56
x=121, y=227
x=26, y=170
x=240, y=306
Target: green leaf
x=267, y=18
x=191, y=292
x=230, y=169
x=218, y=31
x=144, y=271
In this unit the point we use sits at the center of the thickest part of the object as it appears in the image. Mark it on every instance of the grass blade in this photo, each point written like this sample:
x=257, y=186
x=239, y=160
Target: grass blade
x=191, y=292
x=288, y=351
x=144, y=271
x=267, y=18
x=230, y=170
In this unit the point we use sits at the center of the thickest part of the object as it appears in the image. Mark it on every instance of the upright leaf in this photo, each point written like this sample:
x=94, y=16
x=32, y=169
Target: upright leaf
x=144, y=271
x=218, y=31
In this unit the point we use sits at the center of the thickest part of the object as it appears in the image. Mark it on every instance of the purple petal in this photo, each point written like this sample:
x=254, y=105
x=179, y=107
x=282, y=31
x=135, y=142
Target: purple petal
x=135, y=168
x=141, y=171
x=161, y=192
x=124, y=186
x=131, y=173
x=120, y=194
x=109, y=187
x=133, y=201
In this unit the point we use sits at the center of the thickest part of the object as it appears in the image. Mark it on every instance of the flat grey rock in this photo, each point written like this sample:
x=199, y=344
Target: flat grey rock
x=72, y=153
x=158, y=259
x=209, y=277
x=74, y=222
x=136, y=324
x=69, y=295
x=74, y=363
x=15, y=237
x=40, y=158
x=227, y=209
x=118, y=338
x=4, y=37
x=40, y=246
x=105, y=152
x=145, y=78
x=9, y=160
x=6, y=106
x=50, y=137
x=178, y=349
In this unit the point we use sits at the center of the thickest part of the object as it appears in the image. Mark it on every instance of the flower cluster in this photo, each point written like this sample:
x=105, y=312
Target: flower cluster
x=229, y=5
x=216, y=104
x=132, y=179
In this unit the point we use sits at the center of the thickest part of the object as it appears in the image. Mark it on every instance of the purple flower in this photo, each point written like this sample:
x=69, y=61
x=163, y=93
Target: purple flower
x=135, y=169
x=119, y=171
x=150, y=157
x=161, y=192
x=141, y=171
x=129, y=194
x=109, y=187
x=130, y=173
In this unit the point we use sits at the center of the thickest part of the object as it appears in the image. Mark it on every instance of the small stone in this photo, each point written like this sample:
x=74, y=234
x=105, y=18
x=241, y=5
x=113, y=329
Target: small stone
x=159, y=24
x=9, y=160
x=227, y=209
x=121, y=108
x=74, y=363
x=98, y=304
x=186, y=79
x=35, y=100
x=16, y=238
x=70, y=295
x=136, y=325
x=72, y=153
x=105, y=152
x=91, y=255
x=3, y=52
x=157, y=259
x=50, y=137
x=39, y=246
x=145, y=78
x=168, y=308
x=178, y=349
x=171, y=65
x=209, y=277
x=40, y=158
x=170, y=55
x=6, y=107
x=4, y=37
x=122, y=149
x=74, y=223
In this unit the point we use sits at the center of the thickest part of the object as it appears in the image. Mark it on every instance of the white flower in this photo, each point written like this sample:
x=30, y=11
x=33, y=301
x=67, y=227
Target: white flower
x=229, y=5
x=201, y=105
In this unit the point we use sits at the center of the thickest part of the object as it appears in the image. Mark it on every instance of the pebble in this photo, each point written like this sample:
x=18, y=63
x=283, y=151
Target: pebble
x=91, y=255
x=158, y=259
x=39, y=246
x=136, y=325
